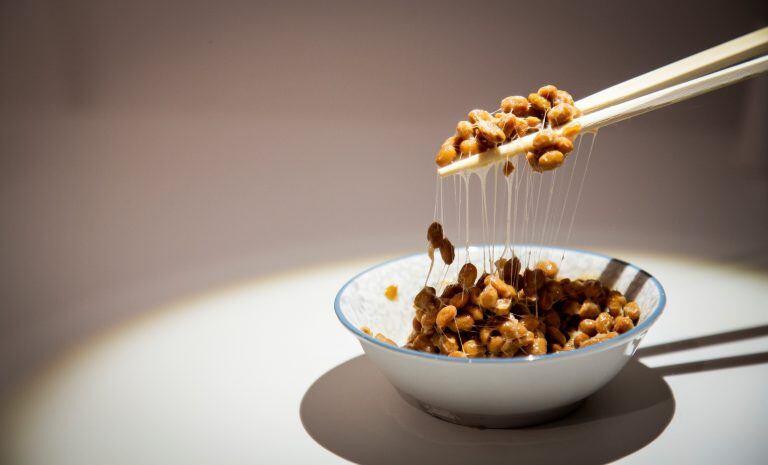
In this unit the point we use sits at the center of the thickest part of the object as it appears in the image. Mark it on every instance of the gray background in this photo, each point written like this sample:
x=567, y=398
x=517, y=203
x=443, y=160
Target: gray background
x=153, y=150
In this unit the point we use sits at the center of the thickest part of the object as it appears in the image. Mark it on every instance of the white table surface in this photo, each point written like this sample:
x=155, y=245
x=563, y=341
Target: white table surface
x=220, y=379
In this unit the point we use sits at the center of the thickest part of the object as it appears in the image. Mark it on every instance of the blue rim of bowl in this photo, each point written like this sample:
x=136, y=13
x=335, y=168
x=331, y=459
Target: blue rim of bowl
x=644, y=325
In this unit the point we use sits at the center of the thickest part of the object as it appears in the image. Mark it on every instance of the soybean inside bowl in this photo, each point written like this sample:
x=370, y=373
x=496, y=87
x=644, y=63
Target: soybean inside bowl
x=493, y=392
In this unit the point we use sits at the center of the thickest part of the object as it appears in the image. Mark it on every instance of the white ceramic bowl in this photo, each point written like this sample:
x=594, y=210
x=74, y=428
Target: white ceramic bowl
x=494, y=392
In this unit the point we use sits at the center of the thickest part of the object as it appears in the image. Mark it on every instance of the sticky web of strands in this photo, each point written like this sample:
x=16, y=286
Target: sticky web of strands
x=526, y=207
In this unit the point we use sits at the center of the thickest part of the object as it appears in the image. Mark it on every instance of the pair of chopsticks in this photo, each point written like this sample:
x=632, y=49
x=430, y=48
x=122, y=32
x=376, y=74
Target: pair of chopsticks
x=669, y=84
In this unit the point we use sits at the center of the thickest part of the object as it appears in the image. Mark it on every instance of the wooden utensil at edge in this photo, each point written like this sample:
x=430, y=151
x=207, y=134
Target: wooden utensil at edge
x=655, y=89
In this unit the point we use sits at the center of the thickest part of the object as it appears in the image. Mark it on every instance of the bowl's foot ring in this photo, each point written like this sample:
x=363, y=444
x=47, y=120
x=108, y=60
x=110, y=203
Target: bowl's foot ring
x=516, y=420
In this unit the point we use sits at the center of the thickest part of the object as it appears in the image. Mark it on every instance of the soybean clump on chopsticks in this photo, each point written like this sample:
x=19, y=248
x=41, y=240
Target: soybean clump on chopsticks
x=518, y=116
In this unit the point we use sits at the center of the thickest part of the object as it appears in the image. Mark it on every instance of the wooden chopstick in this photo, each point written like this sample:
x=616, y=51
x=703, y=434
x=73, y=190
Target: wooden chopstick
x=621, y=111
x=726, y=54
x=674, y=94
x=627, y=99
